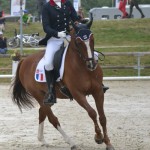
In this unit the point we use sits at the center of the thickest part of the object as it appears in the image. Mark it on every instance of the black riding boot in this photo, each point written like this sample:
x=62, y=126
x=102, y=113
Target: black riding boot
x=50, y=96
x=105, y=88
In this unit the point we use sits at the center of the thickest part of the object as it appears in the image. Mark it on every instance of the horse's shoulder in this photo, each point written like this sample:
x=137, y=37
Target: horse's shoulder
x=35, y=57
x=40, y=53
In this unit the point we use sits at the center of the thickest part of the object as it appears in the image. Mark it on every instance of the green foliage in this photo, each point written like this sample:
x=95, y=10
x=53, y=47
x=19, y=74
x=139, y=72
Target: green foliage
x=31, y=6
x=144, y=2
x=5, y=5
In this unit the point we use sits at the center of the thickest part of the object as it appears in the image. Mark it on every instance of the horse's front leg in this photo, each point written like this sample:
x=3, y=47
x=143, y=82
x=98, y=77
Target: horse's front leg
x=99, y=100
x=81, y=99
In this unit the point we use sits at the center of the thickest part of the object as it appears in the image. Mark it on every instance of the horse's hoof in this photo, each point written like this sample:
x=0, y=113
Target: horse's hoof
x=98, y=141
x=43, y=142
x=110, y=148
x=74, y=147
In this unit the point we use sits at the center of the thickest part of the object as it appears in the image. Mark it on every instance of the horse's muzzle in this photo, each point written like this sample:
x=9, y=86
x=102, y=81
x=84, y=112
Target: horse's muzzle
x=91, y=64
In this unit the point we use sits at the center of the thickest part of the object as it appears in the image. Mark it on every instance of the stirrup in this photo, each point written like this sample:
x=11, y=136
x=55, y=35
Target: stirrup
x=50, y=99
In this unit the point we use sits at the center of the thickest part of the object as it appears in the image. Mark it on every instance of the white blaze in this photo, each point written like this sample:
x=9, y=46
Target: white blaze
x=88, y=49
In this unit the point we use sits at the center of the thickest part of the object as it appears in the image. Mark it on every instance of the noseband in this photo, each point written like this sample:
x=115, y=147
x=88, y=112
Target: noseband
x=84, y=35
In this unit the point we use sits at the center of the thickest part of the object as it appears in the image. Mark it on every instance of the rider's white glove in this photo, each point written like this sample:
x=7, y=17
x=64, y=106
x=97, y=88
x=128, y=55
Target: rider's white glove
x=62, y=34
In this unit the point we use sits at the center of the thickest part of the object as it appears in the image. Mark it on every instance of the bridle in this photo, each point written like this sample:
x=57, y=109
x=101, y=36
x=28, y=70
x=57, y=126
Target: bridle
x=84, y=35
x=82, y=31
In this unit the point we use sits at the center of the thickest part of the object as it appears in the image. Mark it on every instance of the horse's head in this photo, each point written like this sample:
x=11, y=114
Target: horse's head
x=84, y=43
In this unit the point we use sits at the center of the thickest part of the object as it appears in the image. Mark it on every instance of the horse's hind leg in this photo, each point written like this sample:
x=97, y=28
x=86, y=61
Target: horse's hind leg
x=99, y=100
x=42, y=116
x=45, y=111
x=54, y=121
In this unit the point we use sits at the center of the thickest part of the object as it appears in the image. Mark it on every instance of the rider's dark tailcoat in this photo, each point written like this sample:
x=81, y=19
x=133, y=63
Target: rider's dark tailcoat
x=56, y=19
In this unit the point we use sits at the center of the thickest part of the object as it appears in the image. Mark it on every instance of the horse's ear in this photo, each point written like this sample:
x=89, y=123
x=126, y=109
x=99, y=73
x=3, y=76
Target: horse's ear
x=72, y=32
x=89, y=24
x=76, y=28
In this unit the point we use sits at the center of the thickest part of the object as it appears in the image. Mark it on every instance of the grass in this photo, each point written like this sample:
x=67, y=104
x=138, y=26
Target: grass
x=32, y=28
x=106, y=32
x=128, y=35
x=122, y=32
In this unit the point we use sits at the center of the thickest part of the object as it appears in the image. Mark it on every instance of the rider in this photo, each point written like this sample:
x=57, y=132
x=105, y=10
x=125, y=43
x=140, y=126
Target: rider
x=56, y=17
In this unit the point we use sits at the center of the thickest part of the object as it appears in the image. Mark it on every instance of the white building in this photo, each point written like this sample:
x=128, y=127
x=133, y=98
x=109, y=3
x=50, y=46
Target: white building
x=115, y=13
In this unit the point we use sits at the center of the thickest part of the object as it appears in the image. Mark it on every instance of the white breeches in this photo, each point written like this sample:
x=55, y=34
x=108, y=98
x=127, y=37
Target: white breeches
x=53, y=45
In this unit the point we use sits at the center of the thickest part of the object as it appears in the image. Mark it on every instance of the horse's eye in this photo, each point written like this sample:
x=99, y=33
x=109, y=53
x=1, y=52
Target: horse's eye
x=78, y=41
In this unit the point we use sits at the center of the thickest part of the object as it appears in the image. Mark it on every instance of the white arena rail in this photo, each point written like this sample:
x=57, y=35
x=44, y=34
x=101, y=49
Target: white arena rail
x=138, y=54
x=7, y=76
x=14, y=68
x=105, y=78
x=127, y=78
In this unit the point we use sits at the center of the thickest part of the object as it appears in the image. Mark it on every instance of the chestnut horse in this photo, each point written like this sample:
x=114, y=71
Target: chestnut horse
x=82, y=76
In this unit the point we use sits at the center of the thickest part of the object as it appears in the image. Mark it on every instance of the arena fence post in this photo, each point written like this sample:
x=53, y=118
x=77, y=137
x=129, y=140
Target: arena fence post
x=14, y=67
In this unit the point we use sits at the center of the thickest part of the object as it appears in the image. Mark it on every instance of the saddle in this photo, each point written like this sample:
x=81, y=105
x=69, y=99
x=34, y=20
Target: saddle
x=59, y=60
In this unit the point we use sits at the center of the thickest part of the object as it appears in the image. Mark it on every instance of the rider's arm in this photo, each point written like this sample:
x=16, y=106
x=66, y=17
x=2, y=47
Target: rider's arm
x=47, y=24
x=73, y=13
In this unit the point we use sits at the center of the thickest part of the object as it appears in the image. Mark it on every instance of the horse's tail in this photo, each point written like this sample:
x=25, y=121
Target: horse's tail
x=19, y=94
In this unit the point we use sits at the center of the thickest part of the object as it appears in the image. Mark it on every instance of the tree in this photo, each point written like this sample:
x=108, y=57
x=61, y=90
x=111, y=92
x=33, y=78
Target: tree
x=5, y=5
x=144, y=2
x=40, y=7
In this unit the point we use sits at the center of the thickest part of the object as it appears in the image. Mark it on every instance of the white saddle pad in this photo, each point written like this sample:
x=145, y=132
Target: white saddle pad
x=40, y=73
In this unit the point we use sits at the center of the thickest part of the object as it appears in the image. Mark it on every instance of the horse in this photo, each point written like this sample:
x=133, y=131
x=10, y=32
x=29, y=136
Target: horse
x=82, y=76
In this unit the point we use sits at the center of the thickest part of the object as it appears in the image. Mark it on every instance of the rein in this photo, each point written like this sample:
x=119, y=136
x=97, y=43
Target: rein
x=84, y=35
x=78, y=49
x=99, y=57
x=81, y=55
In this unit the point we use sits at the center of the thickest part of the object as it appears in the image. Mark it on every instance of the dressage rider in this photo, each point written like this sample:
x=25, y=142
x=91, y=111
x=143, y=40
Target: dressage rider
x=56, y=16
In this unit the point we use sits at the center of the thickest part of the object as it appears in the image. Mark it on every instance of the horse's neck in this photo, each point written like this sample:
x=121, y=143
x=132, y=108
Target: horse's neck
x=73, y=57
x=72, y=51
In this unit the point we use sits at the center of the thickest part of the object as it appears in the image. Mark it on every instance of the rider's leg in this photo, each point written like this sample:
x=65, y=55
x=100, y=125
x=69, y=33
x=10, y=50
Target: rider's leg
x=53, y=45
x=50, y=97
